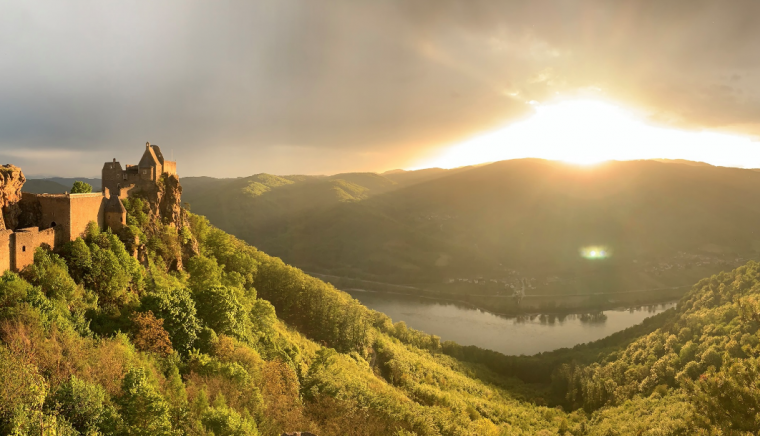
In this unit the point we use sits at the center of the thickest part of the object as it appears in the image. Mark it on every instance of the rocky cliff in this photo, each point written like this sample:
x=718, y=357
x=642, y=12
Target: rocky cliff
x=165, y=203
x=11, y=181
x=170, y=200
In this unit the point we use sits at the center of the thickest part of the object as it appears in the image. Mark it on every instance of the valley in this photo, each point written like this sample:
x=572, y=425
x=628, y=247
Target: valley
x=507, y=237
x=526, y=334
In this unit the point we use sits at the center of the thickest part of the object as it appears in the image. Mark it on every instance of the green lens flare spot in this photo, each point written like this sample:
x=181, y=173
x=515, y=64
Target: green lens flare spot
x=595, y=252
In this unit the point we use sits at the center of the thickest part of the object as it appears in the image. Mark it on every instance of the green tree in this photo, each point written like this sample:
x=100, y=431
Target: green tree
x=78, y=258
x=177, y=309
x=220, y=308
x=83, y=404
x=729, y=398
x=22, y=393
x=81, y=188
x=13, y=289
x=50, y=272
x=263, y=317
x=108, y=278
x=224, y=421
x=204, y=273
x=144, y=410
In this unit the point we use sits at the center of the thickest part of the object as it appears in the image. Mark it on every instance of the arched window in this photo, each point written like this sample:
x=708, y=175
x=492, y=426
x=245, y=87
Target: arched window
x=52, y=224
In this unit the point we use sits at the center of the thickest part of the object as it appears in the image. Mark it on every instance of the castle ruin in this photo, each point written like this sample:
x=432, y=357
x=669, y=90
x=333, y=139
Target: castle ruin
x=31, y=220
x=141, y=177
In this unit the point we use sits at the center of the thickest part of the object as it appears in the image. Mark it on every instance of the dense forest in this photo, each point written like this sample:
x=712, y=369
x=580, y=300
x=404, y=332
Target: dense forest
x=224, y=339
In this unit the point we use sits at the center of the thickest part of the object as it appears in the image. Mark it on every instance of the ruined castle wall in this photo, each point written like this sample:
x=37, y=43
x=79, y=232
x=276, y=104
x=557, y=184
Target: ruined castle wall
x=54, y=210
x=86, y=208
x=24, y=241
x=125, y=190
x=112, y=175
x=170, y=167
x=46, y=237
x=115, y=220
x=5, y=249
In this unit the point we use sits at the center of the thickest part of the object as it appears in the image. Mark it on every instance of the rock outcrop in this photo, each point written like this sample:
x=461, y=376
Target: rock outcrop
x=165, y=201
x=170, y=200
x=11, y=182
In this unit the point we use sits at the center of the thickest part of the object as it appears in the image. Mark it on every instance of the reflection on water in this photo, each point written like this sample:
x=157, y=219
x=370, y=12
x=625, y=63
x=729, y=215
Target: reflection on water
x=525, y=334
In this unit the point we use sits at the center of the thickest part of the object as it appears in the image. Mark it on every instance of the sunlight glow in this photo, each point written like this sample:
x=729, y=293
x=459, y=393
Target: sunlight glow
x=590, y=131
x=594, y=252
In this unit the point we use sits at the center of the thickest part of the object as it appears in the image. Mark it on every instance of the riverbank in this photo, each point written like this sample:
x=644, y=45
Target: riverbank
x=527, y=333
x=523, y=313
x=508, y=305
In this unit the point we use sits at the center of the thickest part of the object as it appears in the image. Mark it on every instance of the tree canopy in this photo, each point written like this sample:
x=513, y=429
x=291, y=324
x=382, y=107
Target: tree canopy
x=80, y=187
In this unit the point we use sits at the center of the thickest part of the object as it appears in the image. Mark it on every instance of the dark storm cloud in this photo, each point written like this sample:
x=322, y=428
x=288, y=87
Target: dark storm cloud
x=307, y=86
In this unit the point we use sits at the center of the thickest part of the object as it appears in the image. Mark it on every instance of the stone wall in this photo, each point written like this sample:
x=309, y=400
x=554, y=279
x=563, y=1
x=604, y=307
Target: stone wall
x=23, y=242
x=58, y=218
x=55, y=212
x=23, y=245
x=83, y=209
x=170, y=167
x=112, y=176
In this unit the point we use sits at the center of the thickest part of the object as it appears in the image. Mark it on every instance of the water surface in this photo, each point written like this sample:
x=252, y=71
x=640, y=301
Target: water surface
x=509, y=335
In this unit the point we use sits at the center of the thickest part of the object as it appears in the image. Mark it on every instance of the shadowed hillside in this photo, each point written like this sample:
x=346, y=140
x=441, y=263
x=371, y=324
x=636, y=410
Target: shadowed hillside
x=44, y=186
x=58, y=185
x=664, y=224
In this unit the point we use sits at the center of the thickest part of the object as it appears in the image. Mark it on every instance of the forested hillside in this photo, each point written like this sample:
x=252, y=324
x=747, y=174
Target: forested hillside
x=239, y=343
x=496, y=228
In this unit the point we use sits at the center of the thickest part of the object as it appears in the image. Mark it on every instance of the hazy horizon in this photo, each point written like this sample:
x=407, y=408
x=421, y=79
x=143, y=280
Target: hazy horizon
x=299, y=88
x=53, y=176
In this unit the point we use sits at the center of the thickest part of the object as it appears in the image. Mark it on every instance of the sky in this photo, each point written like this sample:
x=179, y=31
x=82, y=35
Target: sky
x=318, y=87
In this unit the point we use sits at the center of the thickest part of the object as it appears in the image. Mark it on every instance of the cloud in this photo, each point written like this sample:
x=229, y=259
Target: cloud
x=236, y=88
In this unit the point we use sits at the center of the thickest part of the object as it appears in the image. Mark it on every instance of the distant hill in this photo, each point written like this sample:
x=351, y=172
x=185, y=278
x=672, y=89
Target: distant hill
x=44, y=186
x=683, y=162
x=69, y=181
x=527, y=213
x=267, y=203
x=57, y=185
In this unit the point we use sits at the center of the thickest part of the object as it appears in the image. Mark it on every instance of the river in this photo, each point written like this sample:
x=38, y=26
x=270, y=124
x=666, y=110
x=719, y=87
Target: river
x=527, y=335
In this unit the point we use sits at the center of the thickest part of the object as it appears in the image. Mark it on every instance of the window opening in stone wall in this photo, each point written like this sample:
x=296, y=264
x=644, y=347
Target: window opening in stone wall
x=52, y=224
x=23, y=248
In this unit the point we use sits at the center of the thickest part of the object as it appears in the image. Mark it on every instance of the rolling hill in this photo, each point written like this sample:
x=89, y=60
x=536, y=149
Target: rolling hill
x=57, y=185
x=44, y=186
x=520, y=212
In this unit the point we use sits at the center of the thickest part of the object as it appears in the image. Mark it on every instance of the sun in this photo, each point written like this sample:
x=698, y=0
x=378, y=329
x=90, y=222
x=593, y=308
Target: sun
x=587, y=132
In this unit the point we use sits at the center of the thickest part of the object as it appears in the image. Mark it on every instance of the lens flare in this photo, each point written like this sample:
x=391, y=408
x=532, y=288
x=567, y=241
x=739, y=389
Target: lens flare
x=595, y=252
